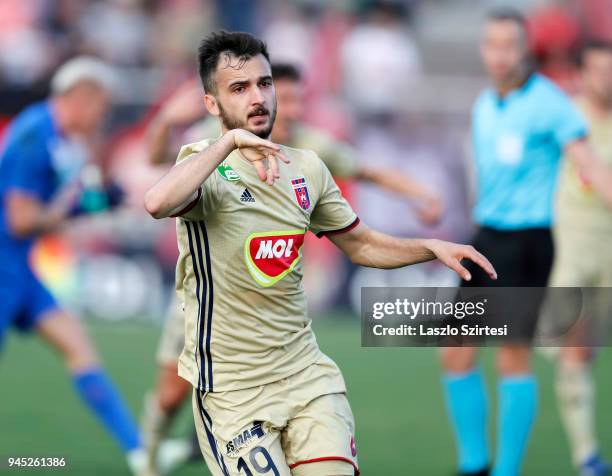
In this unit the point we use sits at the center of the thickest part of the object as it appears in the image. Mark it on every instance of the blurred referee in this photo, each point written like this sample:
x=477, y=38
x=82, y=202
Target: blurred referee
x=521, y=127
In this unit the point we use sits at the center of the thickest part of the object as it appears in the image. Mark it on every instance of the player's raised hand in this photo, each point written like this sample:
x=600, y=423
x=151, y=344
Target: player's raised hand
x=261, y=153
x=451, y=255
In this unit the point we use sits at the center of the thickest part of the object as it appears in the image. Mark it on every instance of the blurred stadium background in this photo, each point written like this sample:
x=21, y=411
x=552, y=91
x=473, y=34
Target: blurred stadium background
x=418, y=59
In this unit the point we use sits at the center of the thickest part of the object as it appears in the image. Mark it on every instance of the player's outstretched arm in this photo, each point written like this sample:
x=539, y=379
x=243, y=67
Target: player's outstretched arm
x=429, y=207
x=180, y=185
x=28, y=216
x=367, y=247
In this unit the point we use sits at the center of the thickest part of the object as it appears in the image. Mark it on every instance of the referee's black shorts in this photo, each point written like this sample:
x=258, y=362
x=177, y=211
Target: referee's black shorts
x=522, y=258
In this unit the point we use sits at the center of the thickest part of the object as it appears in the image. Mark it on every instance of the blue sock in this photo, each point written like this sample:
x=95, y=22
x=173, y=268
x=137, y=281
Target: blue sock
x=518, y=398
x=97, y=390
x=466, y=402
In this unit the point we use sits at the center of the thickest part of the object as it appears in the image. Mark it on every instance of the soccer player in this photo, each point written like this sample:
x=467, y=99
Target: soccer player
x=42, y=156
x=582, y=234
x=265, y=398
x=162, y=404
x=520, y=129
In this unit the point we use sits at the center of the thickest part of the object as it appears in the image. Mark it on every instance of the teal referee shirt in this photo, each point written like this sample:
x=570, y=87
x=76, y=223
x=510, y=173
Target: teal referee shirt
x=518, y=142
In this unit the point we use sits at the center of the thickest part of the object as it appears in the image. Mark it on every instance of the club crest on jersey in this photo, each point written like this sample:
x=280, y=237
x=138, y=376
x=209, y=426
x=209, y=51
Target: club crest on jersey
x=301, y=192
x=245, y=438
x=270, y=256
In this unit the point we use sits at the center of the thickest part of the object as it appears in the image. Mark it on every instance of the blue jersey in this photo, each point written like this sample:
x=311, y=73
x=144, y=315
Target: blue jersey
x=35, y=159
x=518, y=143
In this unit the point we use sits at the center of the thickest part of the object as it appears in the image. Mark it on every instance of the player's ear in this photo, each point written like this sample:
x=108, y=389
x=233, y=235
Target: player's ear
x=211, y=105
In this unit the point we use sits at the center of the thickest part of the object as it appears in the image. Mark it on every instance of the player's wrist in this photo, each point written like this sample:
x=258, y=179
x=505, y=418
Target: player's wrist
x=224, y=146
x=232, y=138
x=430, y=245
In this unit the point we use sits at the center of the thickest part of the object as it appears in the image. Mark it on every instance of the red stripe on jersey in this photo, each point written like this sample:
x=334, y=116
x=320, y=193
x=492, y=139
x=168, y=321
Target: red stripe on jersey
x=321, y=234
x=190, y=206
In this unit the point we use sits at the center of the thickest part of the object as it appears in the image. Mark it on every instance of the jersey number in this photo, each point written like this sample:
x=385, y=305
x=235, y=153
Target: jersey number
x=269, y=466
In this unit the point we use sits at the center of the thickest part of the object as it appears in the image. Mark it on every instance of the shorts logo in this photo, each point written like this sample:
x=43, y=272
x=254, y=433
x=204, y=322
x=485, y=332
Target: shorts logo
x=270, y=256
x=301, y=192
x=245, y=439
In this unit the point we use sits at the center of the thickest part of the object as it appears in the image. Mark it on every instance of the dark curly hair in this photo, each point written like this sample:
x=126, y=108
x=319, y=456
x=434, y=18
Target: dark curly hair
x=243, y=46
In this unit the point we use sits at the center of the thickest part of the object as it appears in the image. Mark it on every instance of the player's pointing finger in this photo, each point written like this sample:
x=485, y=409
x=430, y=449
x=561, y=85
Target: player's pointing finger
x=283, y=157
x=273, y=166
x=260, y=168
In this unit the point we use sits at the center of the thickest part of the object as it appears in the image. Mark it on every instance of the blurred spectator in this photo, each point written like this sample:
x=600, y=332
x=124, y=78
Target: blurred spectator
x=290, y=36
x=178, y=26
x=379, y=58
x=26, y=54
x=596, y=16
x=237, y=15
x=117, y=30
x=555, y=38
x=324, y=74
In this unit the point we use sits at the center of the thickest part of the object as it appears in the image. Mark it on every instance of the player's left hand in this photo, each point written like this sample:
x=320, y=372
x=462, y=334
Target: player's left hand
x=451, y=254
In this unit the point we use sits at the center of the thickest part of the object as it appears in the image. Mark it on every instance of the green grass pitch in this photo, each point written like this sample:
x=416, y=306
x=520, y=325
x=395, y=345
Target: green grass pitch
x=395, y=395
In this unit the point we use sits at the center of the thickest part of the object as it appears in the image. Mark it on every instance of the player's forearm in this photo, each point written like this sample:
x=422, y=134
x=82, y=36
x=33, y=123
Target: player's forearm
x=395, y=182
x=601, y=181
x=592, y=169
x=367, y=247
x=27, y=216
x=180, y=185
x=158, y=136
x=35, y=222
x=378, y=250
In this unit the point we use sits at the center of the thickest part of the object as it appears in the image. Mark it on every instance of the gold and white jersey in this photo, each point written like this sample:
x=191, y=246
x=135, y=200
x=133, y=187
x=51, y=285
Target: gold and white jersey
x=239, y=272
x=578, y=207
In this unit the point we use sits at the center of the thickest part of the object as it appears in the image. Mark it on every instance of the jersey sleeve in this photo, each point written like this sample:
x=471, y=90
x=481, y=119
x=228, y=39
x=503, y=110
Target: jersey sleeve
x=27, y=164
x=340, y=158
x=207, y=198
x=566, y=121
x=332, y=214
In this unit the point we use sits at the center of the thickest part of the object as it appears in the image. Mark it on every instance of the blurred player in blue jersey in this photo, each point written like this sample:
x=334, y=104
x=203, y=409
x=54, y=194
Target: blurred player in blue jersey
x=521, y=128
x=41, y=160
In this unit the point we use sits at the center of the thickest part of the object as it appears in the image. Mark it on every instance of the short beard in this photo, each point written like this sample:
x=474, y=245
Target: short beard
x=230, y=122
